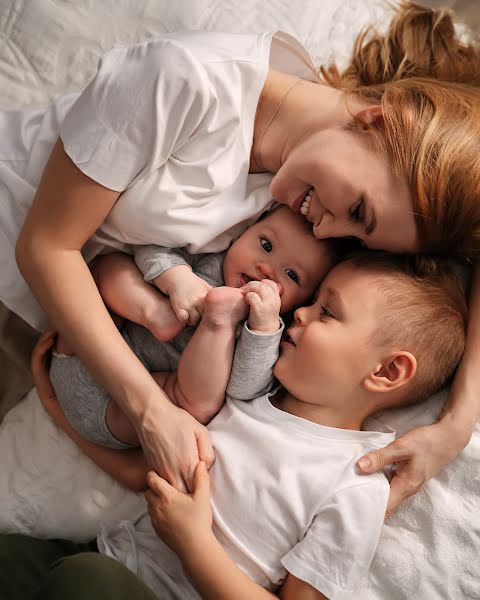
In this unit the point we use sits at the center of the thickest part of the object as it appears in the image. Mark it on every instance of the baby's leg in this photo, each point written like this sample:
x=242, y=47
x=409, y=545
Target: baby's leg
x=85, y=402
x=125, y=292
x=206, y=362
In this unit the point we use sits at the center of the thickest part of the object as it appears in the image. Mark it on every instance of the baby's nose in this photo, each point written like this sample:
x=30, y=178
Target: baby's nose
x=266, y=270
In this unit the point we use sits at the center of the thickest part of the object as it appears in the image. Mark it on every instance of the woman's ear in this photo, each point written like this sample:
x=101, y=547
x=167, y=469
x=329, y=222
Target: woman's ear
x=395, y=371
x=369, y=117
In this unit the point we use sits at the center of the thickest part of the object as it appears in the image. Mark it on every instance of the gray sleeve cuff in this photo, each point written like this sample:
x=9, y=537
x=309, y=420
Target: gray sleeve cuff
x=252, y=369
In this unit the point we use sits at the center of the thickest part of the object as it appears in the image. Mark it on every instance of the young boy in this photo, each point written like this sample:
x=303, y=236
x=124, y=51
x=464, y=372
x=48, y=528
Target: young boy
x=286, y=505
x=280, y=247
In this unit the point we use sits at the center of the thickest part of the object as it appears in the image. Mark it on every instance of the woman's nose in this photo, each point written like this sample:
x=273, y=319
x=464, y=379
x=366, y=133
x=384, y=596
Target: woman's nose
x=329, y=227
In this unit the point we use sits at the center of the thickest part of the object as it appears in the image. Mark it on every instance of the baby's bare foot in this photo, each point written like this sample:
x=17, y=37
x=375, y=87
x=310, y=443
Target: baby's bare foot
x=224, y=306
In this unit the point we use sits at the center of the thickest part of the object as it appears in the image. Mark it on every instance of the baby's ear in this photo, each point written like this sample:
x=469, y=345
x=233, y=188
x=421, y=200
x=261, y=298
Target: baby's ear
x=395, y=371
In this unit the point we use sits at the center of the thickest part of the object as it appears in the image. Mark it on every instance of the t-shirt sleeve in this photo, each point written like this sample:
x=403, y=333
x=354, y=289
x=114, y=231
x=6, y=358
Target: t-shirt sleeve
x=336, y=552
x=154, y=260
x=252, y=369
x=143, y=104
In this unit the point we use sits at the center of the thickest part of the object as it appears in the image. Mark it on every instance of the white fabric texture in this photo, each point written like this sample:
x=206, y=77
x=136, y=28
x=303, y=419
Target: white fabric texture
x=430, y=548
x=169, y=123
x=325, y=529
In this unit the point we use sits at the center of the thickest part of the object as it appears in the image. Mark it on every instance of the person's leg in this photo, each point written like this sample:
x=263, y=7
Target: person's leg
x=92, y=576
x=17, y=339
x=25, y=562
x=124, y=291
x=206, y=362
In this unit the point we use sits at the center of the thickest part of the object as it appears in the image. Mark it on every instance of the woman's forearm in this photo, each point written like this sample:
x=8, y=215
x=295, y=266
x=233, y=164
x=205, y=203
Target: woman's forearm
x=67, y=210
x=463, y=405
x=65, y=288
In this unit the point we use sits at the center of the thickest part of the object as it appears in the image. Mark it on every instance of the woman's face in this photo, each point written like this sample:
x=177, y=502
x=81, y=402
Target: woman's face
x=353, y=192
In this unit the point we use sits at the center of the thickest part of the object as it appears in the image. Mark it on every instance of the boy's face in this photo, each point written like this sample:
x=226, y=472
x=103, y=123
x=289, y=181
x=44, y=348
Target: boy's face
x=329, y=350
x=280, y=247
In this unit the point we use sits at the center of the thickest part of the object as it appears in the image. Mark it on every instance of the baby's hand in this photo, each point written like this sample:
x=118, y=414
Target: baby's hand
x=263, y=297
x=187, y=292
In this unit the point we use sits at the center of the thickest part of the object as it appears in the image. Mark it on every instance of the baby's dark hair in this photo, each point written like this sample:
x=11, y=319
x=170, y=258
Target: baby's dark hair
x=424, y=312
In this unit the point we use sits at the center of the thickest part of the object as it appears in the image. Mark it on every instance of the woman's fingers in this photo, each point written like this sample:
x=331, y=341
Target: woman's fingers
x=402, y=487
x=377, y=460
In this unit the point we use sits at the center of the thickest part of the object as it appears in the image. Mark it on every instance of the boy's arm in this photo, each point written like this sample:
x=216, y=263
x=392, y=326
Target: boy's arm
x=184, y=522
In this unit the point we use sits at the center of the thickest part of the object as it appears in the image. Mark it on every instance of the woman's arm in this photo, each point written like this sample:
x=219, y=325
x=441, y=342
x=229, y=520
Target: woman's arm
x=462, y=408
x=66, y=211
x=420, y=454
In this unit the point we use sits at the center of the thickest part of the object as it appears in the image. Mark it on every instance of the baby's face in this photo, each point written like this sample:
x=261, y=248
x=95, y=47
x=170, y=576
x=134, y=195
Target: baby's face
x=280, y=247
x=329, y=350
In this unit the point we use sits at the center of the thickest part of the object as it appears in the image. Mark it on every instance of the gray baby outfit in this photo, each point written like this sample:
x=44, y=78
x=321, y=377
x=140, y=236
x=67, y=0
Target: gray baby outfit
x=83, y=400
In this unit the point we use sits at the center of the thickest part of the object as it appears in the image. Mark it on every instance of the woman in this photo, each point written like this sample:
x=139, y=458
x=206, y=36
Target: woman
x=177, y=124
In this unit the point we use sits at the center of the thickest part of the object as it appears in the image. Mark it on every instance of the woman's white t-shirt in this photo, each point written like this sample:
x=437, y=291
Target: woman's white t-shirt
x=169, y=124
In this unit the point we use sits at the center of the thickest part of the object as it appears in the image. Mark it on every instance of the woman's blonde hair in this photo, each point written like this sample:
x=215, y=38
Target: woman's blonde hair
x=428, y=84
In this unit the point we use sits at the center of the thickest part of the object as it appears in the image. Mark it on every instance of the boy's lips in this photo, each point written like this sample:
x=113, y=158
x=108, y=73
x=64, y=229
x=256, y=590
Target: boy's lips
x=288, y=340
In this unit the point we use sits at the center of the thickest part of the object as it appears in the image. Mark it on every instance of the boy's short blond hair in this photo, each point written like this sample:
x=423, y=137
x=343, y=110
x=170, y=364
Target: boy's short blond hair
x=424, y=312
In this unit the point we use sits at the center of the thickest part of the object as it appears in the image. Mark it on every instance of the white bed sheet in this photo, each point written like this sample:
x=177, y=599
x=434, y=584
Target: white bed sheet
x=428, y=550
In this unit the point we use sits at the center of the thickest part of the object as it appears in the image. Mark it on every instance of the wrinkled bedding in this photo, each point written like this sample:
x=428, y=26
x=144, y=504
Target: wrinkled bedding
x=430, y=548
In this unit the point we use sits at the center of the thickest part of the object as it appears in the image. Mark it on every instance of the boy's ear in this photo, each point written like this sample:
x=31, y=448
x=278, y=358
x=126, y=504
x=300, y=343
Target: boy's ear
x=395, y=371
x=369, y=117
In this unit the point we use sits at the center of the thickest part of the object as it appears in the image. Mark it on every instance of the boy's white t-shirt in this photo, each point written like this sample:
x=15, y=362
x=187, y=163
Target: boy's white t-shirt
x=167, y=122
x=285, y=497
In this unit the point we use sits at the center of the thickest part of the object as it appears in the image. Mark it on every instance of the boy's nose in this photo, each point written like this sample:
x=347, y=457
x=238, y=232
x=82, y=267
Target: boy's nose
x=300, y=315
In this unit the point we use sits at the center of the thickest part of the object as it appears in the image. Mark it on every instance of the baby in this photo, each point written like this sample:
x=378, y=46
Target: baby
x=287, y=505
x=280, y=247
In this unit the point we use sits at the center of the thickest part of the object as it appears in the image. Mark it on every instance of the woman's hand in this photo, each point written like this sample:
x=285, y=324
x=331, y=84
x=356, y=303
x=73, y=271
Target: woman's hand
x=40, y=364
x=180, y=520
x=418, y=456
x=173, y=442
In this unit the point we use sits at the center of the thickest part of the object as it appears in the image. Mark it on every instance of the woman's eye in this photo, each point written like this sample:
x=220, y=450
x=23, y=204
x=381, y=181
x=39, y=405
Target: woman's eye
x=293, y=276
x=357, y=214
x=266, y=245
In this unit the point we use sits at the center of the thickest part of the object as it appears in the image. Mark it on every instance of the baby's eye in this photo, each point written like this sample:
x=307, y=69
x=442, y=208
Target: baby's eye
x=266, y=244
x=293, y=275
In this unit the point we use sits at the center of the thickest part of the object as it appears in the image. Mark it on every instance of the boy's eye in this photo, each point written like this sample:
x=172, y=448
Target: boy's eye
x=266, y=245
x=357, y=213
x=325, y=313
x=293, y=276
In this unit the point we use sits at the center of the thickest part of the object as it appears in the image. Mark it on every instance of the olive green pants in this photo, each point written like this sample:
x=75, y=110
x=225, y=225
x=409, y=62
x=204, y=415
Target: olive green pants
x=34, y=569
